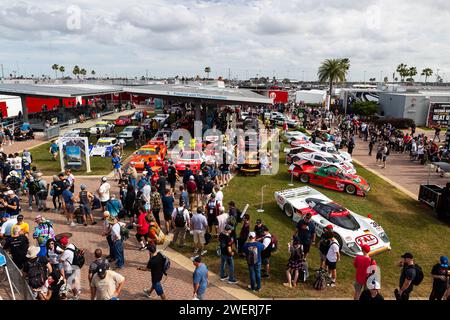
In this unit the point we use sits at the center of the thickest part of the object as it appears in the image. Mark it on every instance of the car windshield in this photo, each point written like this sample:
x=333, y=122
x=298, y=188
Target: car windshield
x=147, y=152
x=128, y=129
x=334, y=213
x=190, y=156
x=104, y=143
x=331, y=160
x=123, y=118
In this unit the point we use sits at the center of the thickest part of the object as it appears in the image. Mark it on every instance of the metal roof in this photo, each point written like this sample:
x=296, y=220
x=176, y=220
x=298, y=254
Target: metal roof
x=202, y=93
x=60, y=91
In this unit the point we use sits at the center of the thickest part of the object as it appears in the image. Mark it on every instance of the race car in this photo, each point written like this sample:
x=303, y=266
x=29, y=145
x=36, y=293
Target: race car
x=123, y=121
x=308, y=146
x=104, y=147
x=103, y=126
x=330, y=177
x=323, y=159
x=154, y=153
x=295, y=135
x=127, y=133
x=350, y=229
x=280, y=120
x=187, y=157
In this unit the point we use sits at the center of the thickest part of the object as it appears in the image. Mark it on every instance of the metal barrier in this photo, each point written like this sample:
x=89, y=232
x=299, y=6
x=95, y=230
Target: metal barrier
x=51, y=132
x=22, y=290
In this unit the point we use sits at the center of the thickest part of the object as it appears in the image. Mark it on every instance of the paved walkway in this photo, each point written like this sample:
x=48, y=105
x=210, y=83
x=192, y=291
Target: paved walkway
x=400, y=171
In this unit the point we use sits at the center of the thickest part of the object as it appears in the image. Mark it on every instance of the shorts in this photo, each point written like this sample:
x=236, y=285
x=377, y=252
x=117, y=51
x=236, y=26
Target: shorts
x=199, y=236
x=225, y=172
x=140, y=236
x=358, y=287
x=265, y=261
x=323, y=257
x=70, y=208
x=379, y=156
x=167, y=217
x=158, y=288
x=86, y=210
x=384, y=158
x=331, y=265
x=172, y=183
x=306, y=248
x=212, y=220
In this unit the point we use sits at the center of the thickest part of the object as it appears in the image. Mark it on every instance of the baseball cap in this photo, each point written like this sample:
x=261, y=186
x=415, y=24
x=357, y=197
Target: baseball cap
x=407, y=255
x=252, y=235
x=191, y=178
x=329, y=227
x=258, y=221
x=197, y=259
x=101, y=270
x=151, y=247
x=83, y=187
x=104, y=179
x=444, y=261
x=9, y=192
x=6, y=215
x=365, y=248
x=64, y=241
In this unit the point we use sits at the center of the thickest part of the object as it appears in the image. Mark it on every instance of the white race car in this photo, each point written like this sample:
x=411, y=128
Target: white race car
x=103, y=126
x=351, y=230
x=321, y=159
x=319, y=146
x=104, y=146
x=127, y=133
x=331, y=148
x=295, y=135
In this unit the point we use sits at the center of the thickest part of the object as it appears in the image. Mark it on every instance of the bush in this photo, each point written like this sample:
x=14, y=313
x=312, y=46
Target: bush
x=399, y=123
x=365, y=108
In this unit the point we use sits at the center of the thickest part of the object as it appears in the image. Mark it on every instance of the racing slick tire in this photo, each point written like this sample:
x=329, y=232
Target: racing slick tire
x=350, y=189
x=304, y=178
x=288, y=210
x=339, y=240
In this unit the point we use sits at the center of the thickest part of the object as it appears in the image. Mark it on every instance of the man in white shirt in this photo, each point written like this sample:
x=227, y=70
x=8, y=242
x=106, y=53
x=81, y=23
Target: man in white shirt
x=219, y=195
x=333, y=256
x=70, y=179
x=181, y=221
x=222, y=219
x=7, y=225
x=103, y=192
x=146, y=191
x=71, y=273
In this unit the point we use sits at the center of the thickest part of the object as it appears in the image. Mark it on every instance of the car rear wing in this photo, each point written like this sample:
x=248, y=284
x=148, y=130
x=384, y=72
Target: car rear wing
x=296, y=192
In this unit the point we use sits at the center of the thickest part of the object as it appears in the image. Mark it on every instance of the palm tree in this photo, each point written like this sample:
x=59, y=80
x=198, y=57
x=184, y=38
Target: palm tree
x=76, y=71
x=83, y=72
x=56, y=68
x=62, y=69
x=207, y=71
x=403, y=71
x=93, y=73
x=427, y=72
x=333, y=70
x=412, y=72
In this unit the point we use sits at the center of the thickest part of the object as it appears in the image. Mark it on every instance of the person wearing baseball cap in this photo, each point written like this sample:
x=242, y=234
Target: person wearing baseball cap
x=372, y=293
x=407, y=276
x=106, y=284
x=440, y=276
x=306, y=233
x=200, y=278
x=252, y=250
x=361, y=264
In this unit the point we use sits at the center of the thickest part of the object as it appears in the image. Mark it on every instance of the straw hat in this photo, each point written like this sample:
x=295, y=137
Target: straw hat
x=33, y=252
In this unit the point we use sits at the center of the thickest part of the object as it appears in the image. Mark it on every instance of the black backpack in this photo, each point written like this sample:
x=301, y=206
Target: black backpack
x=252, y=256
x=320, y=283
x=419, y=275
x=324, y=245
x=78, y=257
x=166, y=266
x=36, y=275
x=34, y=187
x=180, y=221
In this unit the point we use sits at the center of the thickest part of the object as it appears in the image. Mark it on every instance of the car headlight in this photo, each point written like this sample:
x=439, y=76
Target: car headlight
x=383, y=236
x=352, y=246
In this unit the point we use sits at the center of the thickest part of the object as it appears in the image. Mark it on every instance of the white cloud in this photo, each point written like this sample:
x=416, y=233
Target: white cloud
x=170, y=37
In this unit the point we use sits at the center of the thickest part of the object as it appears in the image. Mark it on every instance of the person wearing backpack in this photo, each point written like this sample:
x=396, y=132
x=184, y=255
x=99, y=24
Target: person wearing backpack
x=267, y=241
x=70, y=270
x=181, y=221
x=227, y=255
x=332, y=258
x=440, y=275
x=36, y=269
x=410, y=276
x=42, y=192
x=32, y=187
x=361, y=264
x=99, y=259
x=212, y=211
x=158, y=264
x=324, y=244
x=252, y=250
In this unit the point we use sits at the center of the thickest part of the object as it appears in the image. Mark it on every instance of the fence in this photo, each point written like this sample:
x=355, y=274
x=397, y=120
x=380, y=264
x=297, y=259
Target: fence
x=22, y=290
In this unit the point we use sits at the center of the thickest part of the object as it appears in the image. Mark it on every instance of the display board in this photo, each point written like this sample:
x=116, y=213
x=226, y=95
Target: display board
x=74, y=152
x=438, y=114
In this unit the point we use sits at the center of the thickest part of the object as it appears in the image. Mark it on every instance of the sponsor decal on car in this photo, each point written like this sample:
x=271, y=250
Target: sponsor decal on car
x=367, y=239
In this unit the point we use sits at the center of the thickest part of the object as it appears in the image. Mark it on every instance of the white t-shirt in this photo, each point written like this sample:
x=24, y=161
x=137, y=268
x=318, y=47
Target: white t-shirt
x=115, y=232
x=219, y=197
x=7, y=226
x=67, y=258
x=71, y=178
x=267, y=240
x=104, y=191
x=222, y=221
x=146, y=190
x=17, y=163
x=331, y=254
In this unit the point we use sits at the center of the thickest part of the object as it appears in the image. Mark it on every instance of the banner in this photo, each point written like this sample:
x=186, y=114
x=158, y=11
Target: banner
x=439, y=113
x=73, y=155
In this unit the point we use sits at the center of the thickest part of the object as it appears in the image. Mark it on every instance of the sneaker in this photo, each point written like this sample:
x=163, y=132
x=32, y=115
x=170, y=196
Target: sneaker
x=287, y=285
x=196, y=250
x=203, y=252
x=46, y=209
x=94, y=223
x=72, y=224
x=224, y=278
x=147, y=293
x=333, y=284
x=142, y=248
x=30, y=208
x=85, y=224
x=233, y=281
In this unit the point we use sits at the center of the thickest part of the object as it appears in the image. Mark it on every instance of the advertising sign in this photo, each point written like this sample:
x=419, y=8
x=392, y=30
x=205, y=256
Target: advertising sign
x=73, y=155
x=279, y=96
x=439, y=113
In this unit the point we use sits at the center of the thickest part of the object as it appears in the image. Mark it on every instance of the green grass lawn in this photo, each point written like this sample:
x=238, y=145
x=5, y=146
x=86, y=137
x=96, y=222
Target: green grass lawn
x=410, y=226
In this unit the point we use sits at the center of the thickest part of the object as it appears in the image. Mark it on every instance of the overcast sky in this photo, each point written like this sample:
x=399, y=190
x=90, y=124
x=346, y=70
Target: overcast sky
x=249, y=37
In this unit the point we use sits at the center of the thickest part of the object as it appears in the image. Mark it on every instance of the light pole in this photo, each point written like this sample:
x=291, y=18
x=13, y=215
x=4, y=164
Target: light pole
x=365, y=77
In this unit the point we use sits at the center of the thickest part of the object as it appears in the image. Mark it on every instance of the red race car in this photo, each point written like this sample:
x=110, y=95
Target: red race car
x=330, y=177
x=123, y=121
x=192, y=158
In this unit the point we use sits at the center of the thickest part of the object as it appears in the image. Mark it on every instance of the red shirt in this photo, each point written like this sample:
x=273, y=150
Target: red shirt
x=361, y=263
x=143, y=229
